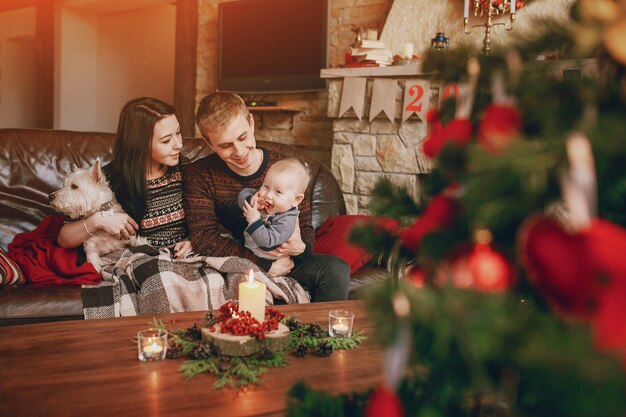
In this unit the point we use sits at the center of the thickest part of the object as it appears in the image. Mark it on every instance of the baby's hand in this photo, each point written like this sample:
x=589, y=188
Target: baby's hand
x=258, y=202
x=251, y=213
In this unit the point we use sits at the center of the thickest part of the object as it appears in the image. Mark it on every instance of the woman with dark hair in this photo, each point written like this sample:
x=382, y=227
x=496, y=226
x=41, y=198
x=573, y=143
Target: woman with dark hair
x=146, y=177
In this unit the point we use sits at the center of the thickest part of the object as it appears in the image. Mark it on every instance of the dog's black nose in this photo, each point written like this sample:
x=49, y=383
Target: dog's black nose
x=51, y=196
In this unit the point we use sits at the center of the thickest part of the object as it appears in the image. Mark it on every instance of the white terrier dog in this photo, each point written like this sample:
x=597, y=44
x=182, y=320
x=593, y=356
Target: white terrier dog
x=85, y=192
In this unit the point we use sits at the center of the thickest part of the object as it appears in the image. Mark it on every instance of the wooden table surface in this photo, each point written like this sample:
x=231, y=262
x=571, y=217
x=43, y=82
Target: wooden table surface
x=90, y=368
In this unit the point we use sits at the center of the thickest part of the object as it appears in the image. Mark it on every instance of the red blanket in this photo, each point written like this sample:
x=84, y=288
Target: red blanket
x=44, y=262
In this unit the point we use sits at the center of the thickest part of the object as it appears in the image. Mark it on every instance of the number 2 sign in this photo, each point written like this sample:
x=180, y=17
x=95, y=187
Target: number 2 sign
x=416, y=99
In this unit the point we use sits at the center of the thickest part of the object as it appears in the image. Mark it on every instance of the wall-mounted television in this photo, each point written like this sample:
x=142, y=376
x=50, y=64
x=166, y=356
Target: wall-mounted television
x=272, y=46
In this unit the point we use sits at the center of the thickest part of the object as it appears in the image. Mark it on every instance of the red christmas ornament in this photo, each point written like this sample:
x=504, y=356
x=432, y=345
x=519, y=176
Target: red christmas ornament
x=439, y=213
x=384, y=403
x=480, y=268
x=608, y=322
x=458, y=132
x=500, y=126
x=558, y=265
x=490, y=270
x=606, y=247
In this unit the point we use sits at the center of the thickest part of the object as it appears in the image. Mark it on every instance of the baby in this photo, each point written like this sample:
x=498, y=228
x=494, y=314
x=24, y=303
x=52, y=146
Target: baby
x=272, y=211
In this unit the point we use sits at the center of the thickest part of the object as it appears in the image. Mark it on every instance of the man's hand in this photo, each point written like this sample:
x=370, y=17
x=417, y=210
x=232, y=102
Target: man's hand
x=281, y=267
x=292, y=247
x=250, y=211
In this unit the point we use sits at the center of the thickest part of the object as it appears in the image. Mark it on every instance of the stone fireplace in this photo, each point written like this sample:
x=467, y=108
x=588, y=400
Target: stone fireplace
x=364, y=152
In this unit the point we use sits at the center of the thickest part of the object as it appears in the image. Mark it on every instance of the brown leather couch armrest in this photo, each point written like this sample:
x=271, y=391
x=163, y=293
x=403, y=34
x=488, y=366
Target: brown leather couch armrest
x=25, y=303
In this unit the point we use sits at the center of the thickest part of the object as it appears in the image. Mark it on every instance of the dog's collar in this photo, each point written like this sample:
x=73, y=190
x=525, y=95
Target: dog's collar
x=106, y=206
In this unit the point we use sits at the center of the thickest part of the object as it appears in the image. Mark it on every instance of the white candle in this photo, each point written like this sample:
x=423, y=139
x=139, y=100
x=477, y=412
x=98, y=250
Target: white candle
x=252, y=298
x=513, y=6
x=341, y=329
x=466, y=8
x=407, y=50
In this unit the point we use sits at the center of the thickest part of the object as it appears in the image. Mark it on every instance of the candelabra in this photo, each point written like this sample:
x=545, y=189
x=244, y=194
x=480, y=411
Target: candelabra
x=491, y=9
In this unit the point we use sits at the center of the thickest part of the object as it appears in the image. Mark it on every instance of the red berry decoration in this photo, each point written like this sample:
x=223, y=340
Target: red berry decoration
x=241, y=323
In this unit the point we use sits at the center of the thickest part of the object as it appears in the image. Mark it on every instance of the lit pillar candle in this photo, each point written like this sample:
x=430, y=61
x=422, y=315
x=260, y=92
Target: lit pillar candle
x=513, y=6
x=252, y=298
x=466, y=8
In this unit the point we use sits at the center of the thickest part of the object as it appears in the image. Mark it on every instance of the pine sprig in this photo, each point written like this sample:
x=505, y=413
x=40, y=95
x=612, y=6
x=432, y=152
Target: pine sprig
x=392, y=201
x=345, y=343
x=193, y=368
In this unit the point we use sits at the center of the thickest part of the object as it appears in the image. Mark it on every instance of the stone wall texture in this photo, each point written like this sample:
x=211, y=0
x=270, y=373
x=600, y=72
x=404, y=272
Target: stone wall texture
x=365, y=152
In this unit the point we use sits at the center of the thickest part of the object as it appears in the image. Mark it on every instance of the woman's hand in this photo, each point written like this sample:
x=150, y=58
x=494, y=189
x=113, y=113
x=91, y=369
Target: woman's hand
x=120, y=225
x=250, y=211
x=182, y=249
x=281, y=267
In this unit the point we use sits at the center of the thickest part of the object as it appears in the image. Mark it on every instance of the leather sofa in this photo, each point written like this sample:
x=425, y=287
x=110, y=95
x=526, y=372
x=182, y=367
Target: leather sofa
x=35, y=162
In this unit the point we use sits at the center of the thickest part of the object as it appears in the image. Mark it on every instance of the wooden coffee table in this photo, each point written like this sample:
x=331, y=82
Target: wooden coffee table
x=90, y=368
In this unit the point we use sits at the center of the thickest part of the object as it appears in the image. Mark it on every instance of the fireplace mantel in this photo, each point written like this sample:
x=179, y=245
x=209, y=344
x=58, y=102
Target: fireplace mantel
x=390, y=71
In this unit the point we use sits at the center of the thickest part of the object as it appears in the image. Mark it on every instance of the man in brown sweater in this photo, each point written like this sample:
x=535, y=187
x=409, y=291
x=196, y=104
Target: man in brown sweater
x=210, y=189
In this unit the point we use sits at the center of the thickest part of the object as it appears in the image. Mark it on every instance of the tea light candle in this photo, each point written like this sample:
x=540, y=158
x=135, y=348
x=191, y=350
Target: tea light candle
x=252, y=298
x=341, y=329
x=151, y=344
x=407, y=50
x=152, y=349
x=340, y=323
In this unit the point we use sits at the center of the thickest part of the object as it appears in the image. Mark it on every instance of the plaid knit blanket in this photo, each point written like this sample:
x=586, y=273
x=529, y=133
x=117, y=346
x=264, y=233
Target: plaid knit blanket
x=143, y=280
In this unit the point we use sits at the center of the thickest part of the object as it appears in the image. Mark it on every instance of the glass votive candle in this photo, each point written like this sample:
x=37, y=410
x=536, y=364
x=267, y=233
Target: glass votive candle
x=340, y=323
x=151, y=345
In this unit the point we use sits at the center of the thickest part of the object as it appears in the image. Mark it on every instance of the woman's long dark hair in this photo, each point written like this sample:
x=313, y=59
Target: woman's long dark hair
x=133, y=148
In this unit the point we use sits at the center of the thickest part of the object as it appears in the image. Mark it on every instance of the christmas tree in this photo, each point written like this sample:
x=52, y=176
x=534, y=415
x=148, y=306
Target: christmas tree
x=511, y=288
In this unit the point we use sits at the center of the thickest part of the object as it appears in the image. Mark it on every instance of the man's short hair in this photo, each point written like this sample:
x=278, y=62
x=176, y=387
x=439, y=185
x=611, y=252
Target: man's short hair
x=219, y=108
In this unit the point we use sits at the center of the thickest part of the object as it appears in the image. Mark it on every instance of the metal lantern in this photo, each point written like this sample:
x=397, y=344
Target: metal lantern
x=439, y=42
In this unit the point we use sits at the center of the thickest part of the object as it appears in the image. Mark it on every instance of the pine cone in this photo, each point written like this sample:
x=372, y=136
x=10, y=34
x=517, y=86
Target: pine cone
x=301, y=351
x=324, y=349
x=201, y=351
x=194, y=332
x=315, y=330
x=266, y=354
x=174, y=349
x=293, y=323
x=209, y=319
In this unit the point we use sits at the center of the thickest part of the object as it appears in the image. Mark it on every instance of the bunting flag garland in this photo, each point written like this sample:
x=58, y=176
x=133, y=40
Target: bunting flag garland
x=416, y=99
x=353, y=95
x=384, y=98
x=449, y=91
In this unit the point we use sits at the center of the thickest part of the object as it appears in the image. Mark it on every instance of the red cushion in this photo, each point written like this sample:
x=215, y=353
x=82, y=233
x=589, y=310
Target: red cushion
x=332, y=238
